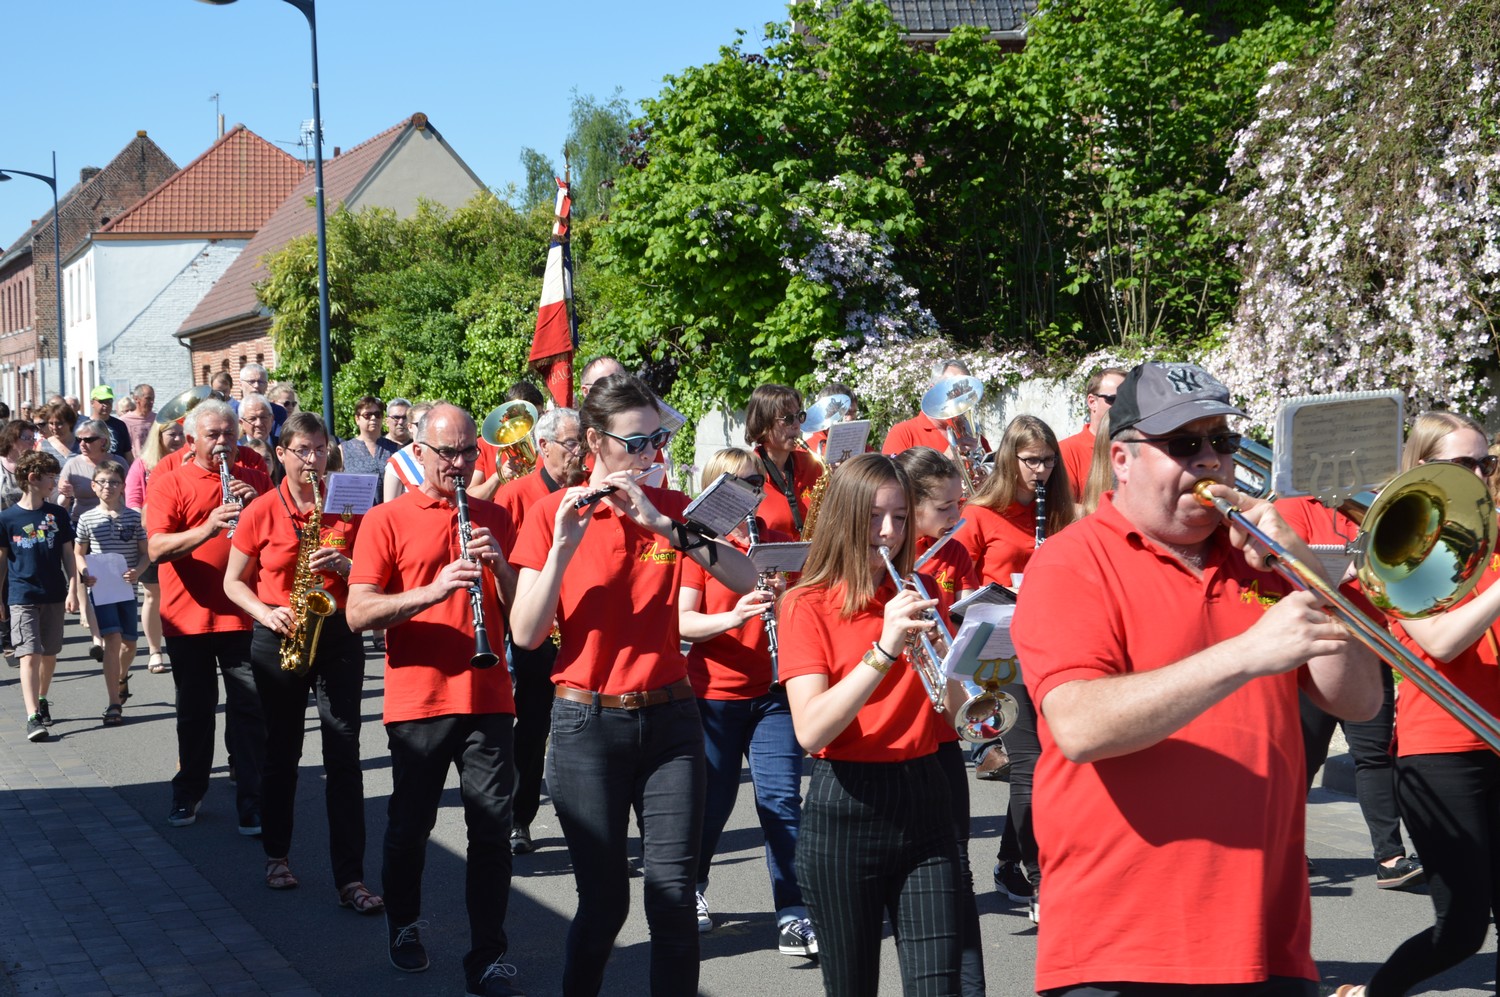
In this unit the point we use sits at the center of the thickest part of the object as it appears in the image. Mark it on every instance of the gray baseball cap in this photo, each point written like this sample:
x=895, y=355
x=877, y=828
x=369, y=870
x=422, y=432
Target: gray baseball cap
x=1156, y=398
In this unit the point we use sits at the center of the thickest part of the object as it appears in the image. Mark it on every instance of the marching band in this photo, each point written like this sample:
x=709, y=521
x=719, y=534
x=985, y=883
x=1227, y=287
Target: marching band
x=1162, y=633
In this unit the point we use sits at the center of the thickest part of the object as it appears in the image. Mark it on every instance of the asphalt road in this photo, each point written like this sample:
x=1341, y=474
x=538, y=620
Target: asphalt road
x=341, y=954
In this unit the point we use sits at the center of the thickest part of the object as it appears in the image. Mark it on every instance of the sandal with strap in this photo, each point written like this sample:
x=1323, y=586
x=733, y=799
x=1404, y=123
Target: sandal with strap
x=157, y=665
x=124, y=688
x=114, y=715
x=279, y=875
x=358, y=898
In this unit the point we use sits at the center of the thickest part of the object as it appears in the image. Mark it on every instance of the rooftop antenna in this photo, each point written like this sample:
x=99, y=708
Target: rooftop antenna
x=305, y=138
x=215, y=98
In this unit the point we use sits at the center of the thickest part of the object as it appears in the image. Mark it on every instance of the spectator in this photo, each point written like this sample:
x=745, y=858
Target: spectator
x=58, y=419
x=398, y=424
x=283, y=394
x=255, y=381
x=111, y=527
x=102, y=404
x=138, y=423
x=368, y=451
x=222, y=385
x=257, y=419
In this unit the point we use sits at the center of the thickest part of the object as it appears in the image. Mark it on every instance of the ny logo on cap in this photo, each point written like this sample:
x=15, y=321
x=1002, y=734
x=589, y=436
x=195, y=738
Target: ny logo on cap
x=1184, y=378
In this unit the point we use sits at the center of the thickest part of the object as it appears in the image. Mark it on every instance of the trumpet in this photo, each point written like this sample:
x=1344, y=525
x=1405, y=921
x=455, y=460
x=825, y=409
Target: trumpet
x=768, y=618
x=949, y=402
x=483, y=657
x=920, y=650
x=226, y=493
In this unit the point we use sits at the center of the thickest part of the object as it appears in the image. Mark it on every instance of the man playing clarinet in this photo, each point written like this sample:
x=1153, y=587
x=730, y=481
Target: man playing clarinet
x=416, y=564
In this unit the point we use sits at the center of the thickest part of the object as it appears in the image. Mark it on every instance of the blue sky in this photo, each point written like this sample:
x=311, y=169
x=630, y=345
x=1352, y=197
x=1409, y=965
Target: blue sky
x=493, y=75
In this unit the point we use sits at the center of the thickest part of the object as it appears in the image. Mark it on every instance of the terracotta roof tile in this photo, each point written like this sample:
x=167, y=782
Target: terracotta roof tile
x=235, y=186
x=233, y=296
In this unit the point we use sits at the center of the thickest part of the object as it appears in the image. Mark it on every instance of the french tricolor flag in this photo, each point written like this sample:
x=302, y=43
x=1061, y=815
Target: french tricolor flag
x=556, y=329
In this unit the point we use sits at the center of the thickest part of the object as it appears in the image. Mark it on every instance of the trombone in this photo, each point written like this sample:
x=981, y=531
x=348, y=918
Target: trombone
x=1421, y=547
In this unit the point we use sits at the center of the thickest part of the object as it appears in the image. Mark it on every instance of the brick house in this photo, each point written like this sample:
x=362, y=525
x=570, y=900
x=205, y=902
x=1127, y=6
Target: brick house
x=131, y=285
x=402, y=165
x=28, y=284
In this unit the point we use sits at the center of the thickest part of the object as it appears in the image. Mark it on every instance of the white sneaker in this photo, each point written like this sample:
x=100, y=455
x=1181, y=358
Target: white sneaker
x=1034, y=911
x=705, y=920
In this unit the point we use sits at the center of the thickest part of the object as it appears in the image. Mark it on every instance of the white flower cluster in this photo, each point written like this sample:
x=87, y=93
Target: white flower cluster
x=1371, y=227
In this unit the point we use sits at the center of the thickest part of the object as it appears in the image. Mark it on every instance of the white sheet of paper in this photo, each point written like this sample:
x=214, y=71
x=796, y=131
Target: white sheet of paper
x=846, y=439
x=109, y=579
x=350, y=494
x=999, y=645
x=779, y=556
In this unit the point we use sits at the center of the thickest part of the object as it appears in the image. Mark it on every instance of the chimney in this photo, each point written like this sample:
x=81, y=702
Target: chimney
x=88, y=173
x=337, y=151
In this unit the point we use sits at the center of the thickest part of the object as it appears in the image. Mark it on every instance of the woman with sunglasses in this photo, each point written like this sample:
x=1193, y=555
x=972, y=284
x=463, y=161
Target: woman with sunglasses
x=1000, y=535
x=1447, y=781
x=773, y=427
x=745, y=716
x=605, y=560
x=877, y=837
x=368, y=450
x=258, y=578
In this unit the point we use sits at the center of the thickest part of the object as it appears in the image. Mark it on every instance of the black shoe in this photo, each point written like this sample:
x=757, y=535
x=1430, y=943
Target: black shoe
x=1406, y=871
x=250, y=826
x=408, y=954
x=520, y=841
x=1010, y=879
x=182, y=814
x=44, y=711
x=35, y=729
x=497, y=980
x=798, y=938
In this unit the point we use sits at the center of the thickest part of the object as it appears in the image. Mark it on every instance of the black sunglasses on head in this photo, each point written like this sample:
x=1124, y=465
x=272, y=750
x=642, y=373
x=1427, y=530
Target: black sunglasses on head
x=1190, y=446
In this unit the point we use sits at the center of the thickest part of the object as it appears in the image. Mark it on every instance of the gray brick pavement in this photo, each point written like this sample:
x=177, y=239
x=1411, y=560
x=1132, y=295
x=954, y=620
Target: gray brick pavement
x=75, y=863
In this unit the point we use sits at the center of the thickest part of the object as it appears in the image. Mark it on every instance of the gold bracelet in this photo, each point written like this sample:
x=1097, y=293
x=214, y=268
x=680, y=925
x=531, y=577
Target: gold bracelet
x=875, y=662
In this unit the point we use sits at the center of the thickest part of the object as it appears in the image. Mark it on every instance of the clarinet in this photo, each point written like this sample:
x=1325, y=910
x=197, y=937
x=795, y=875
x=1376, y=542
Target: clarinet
x=768, y=617
x=226, y=494
x=483, y=657
x=1041, y=512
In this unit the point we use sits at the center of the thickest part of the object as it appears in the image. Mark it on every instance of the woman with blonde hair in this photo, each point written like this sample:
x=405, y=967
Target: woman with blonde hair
x=164, y=438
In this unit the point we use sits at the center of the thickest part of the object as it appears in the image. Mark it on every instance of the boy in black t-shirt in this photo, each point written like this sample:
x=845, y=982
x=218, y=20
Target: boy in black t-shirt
x=38, y=572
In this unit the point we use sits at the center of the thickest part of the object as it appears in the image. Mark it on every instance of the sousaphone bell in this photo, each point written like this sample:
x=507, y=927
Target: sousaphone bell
x=181, y=405
x=949, y=402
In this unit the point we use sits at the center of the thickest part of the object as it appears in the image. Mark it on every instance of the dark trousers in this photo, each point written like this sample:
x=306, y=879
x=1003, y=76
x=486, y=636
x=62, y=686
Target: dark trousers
x=1374, y=764
x=479, y=746
x=877, y=841
x=337, y=679
x=531, y=678
x=603, y=762
x=759, y=729
x=1276, y=986
x=1451, y=804
x=950, y=757
x=197, y=662
x=1018, y=842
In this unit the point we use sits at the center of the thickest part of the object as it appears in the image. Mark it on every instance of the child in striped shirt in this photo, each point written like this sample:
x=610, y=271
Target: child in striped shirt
x=112, y=527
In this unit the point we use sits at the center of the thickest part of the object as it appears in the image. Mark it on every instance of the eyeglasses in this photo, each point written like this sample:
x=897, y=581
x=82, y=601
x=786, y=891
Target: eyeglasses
x=454, y=455
x=1039, y=463
x=792, y=418
x=1486, y=466
x=90, y=439
x=571, y=446
x=309, y=455
x=1106, y=399
x=371, y=415
x=107, y=482
x=635, y=444
x=754, y=480
x=397, y=418
x=1183, y=447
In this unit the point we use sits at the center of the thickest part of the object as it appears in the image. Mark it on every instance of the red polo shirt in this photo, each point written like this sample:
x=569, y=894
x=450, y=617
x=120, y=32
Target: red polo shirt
x=735, y=664
x=403, y=545
x=774, y=510
x=892, y=726
x=267, y=531
x=517, y=496
x=1212, y=816
x=951, y=567
x=999, y=544
x=617, y=606
x=1077, y=453
x=192, y=586
x=920, y=432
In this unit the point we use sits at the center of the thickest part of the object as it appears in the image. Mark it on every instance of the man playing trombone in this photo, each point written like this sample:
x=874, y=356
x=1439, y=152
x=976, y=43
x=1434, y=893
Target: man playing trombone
x=1170, y=795
x=413, y=573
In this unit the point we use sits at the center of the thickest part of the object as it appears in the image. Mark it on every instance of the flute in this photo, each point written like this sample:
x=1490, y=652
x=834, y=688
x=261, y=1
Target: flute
x=483, y=657
x=589, y=498
x=938, y=544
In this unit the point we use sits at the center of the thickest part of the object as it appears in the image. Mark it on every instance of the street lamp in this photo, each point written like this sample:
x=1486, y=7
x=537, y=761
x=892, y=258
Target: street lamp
x=57, y=289
x=306, y=6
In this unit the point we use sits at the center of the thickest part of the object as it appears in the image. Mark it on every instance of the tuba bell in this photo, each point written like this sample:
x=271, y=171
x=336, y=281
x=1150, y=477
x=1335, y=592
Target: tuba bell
x=508, y=428
x=950, y=402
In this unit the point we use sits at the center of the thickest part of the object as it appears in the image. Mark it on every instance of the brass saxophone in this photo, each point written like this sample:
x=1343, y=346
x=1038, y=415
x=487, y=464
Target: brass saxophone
x=310, y=602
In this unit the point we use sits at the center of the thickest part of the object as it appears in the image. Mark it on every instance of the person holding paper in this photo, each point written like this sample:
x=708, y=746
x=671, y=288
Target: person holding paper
x=605, y=561
x=773, y=427
x=745, y=716
x=1163, y=655
x=258, y=577
x=112, y=532
x=877, y=831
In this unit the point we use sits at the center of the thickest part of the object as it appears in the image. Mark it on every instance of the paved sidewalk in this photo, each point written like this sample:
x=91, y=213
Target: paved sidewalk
x=75, y=864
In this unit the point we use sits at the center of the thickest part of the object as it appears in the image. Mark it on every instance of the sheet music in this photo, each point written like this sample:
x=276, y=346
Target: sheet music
x=671, y=419
x=722, y=506
x=845, y=439
x=988, y=595
x=779, y=556
x=999, y=646
x=350, y=494
x=964, y=655
x=1333, y=446
x=109, y=574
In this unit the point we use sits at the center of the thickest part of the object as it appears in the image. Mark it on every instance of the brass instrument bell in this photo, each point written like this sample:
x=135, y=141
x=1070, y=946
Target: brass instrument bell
x=508, y=427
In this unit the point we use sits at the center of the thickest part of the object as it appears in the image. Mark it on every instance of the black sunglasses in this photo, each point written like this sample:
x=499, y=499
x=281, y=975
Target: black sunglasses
x=1182, y=447
x=1486, y=466
x=1106, y=399
x=635, y=444
x=89, y=439
x=754, y=480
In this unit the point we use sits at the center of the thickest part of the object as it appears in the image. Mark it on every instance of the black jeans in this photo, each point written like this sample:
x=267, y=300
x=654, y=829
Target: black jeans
x=337, y=679
x=197, y=662
x=950, y=758
x=531, y=678
x=1276, y=986
x=603, y=762
x=1374, y=764
x=1452, y=808
x=1018, y=841
x=877, y=840
x=421, y=751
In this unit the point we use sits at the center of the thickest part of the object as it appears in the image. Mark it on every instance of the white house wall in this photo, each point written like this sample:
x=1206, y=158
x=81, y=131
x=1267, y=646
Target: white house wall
x=420, y=162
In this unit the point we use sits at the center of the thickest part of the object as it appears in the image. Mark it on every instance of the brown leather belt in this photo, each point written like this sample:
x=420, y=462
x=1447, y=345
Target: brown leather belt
x=681, y=689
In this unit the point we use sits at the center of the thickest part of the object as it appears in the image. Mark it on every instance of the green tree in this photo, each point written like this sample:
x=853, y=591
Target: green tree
x=599, y=132
x=539, y=189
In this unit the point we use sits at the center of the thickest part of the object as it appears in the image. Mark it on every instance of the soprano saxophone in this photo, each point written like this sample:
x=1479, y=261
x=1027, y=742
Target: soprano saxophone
x=310, y=602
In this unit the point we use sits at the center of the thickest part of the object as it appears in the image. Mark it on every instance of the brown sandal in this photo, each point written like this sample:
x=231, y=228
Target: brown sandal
x=358, y=898
x=279, y=875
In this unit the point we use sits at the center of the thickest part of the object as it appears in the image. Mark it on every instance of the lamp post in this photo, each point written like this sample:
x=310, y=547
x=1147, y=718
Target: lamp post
x=57, y=290
x=306, y=6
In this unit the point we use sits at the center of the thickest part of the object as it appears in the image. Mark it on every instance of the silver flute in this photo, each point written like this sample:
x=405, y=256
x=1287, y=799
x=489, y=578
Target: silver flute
x=938, y=544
